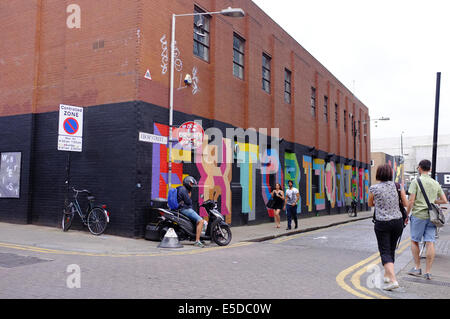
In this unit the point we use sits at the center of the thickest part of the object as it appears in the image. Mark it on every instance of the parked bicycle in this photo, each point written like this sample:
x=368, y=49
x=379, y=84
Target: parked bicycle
x=96, y=218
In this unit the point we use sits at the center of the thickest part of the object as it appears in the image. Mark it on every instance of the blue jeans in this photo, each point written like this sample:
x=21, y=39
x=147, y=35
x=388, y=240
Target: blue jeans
x=422, y=228
x=189, y=212
x=291, y=212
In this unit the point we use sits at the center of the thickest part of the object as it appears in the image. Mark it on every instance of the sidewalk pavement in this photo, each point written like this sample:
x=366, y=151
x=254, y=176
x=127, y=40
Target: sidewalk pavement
x=81, y=241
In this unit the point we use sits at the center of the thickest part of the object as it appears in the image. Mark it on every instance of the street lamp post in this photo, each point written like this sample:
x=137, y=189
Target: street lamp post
x=229, y=12
x=401, y=143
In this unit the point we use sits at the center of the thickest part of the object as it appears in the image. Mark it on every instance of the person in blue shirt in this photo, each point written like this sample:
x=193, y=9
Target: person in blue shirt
x=185, y=201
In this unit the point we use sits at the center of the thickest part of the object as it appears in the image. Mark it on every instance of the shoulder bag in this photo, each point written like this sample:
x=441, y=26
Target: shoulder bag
x=271, y=203
x=436, y=215
x=402, y=208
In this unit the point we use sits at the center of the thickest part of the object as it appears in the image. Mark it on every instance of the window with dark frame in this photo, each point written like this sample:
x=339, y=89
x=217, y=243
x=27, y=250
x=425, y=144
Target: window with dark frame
x=336, y=112
x=287, y=86
x=201, y=35
x=266, y=72
x=238, y=56
x=359, y=129
x=325, y=108
x=313, y=101
x=345, y=121
x=365, y=131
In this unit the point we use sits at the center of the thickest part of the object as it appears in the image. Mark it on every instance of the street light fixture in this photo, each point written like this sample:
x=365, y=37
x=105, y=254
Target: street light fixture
x=228, y=12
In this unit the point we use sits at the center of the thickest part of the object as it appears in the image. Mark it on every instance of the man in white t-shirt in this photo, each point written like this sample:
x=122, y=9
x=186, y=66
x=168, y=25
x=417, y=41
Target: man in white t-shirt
x=292, y=198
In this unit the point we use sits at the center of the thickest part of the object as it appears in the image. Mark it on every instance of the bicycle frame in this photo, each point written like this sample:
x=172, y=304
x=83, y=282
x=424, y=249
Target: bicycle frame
x=78, y=209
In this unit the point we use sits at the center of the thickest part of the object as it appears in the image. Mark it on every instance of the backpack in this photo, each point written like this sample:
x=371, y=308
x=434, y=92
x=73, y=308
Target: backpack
x=172, y=199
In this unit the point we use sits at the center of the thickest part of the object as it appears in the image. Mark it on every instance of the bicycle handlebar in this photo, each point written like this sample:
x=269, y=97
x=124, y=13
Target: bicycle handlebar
x=81, y=191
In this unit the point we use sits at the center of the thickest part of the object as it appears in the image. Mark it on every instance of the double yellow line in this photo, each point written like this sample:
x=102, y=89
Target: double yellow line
x=76, y=253
x=359, y=269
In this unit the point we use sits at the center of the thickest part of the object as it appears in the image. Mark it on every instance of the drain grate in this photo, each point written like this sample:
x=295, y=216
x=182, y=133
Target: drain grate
x=8, y=260
x=429, y=282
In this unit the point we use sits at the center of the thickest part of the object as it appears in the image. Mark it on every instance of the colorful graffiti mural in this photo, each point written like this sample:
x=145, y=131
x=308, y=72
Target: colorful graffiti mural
x=330, y=183
x=292, y=172
x=319, y=171
x=326, y=185
x=270, y=165
x=160, y=168
x=215, y=175
x=247, y=160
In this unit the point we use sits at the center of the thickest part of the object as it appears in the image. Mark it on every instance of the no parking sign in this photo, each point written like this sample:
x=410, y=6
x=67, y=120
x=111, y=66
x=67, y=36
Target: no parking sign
x=70, y=133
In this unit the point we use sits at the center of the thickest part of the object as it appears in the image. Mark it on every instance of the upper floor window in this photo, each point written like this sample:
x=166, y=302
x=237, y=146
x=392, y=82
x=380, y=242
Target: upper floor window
x=238, y=56
x=336, y=112
x=266, y=72
x=201, y=35
x=325, y=108
x=345, y=121
x=359, y=129
x=287, y=86
x=313, y=101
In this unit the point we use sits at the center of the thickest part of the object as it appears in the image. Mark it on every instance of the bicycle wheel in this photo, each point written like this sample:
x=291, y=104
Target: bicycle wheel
x=97, y=221
x=67, y=219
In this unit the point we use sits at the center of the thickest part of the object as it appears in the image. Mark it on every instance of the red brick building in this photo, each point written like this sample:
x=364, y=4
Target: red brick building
x=247, y=73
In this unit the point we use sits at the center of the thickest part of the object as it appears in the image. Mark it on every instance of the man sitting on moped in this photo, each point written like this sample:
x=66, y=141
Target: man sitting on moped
x=184, y=198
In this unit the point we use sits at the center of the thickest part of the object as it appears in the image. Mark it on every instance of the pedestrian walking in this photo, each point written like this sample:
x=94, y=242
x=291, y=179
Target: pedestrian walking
x=292, y=197
x=421, y=226
x=278, y=196
x=388, y=220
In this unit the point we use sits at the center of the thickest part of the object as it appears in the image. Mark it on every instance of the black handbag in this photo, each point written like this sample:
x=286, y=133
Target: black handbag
x=271, y=203
x=400, y=204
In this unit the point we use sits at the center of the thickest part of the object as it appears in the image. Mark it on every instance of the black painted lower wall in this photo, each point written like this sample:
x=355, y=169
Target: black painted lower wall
x=114, y=165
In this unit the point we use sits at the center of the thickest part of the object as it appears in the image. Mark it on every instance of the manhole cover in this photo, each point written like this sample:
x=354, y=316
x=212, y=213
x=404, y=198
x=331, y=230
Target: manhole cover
x=429, y=282
x=8, y=260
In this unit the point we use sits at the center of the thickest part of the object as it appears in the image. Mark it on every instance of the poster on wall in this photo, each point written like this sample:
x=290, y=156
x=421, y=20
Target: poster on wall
x=10, y=164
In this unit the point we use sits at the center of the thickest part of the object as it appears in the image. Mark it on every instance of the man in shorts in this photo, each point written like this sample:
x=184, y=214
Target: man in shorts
x=421, y=226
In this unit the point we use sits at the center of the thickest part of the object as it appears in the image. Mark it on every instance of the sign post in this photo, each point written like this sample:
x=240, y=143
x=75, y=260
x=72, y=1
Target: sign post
x=70, y=135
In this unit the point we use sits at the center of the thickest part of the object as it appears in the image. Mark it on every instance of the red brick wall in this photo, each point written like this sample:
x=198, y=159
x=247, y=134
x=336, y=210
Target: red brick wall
x=39, y=51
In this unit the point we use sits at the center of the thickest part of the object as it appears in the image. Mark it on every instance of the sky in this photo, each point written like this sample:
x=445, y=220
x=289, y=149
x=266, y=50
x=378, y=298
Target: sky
x=388, y=53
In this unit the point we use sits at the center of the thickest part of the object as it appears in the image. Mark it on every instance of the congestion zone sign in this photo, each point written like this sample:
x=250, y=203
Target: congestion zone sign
x=70, y=133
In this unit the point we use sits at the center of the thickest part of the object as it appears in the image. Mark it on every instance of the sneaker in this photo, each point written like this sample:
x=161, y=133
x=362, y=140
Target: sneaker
x=199, y=244
x=386, y=280
x=415, y=272
x=391, y=286
x=427, y=276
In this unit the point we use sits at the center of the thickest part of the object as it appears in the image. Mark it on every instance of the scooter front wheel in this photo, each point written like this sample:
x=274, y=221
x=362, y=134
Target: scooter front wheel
x=221, y=234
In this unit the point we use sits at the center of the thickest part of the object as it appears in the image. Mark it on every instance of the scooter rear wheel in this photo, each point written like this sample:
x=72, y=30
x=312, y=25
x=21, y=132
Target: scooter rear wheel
x=221, y=234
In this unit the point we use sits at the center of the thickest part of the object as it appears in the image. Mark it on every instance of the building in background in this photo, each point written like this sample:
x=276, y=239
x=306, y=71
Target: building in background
x=415, y=149
x=112, y=58
x=395, y=162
